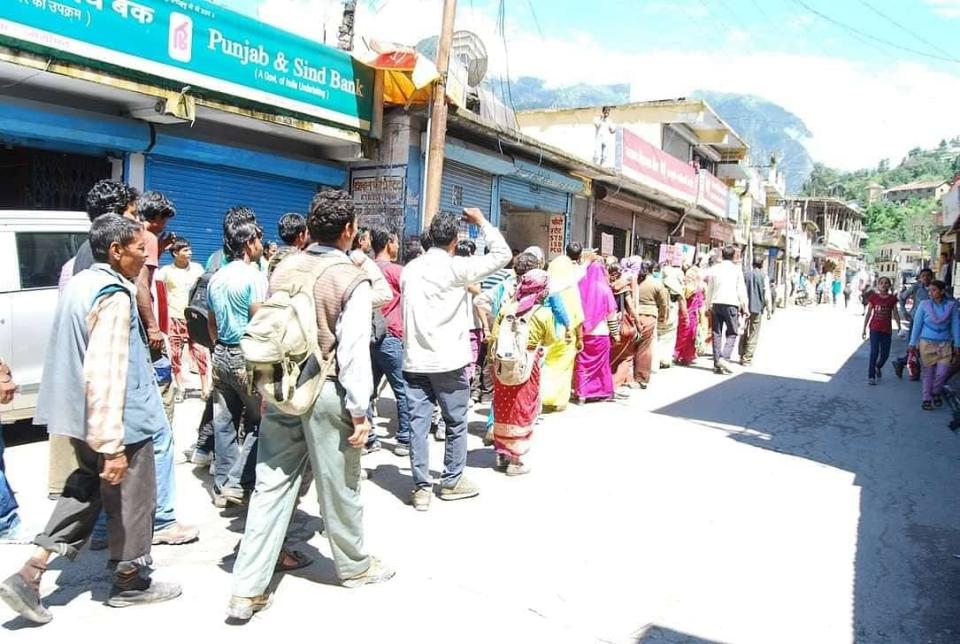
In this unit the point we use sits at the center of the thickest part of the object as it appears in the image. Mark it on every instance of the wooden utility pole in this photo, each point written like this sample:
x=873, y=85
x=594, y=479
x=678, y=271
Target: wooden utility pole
x=438, y=116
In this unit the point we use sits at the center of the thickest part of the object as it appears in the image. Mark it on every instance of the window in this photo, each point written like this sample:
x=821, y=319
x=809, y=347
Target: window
x=42, y=255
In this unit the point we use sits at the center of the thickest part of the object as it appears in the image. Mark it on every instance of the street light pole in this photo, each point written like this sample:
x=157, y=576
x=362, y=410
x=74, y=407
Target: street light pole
x=438, y=116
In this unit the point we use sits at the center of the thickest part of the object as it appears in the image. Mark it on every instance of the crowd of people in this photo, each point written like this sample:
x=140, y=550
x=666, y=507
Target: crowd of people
x=446, y=330
x=933, y=335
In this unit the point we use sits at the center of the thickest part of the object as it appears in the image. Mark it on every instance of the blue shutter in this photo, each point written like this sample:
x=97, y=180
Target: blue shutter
x=464, y=187
x=530, y=195
x=203, y=193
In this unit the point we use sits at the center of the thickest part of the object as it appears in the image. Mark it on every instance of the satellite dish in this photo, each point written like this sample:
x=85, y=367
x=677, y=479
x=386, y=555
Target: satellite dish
x=468, y=50
x=472, y=54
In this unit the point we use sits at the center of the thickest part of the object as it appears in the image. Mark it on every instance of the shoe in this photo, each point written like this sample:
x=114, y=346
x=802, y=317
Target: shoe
x=402, y=449
x=375, y=574
x=517, y=469
x=488, y=438
x=722, y=368
x=871, y=381
x=745, y=363
x=176, y=534
x=502, y=463
x=243, y=609
x=97, y=543
x=201, y=458
x=898, y=368
x=421, y=499
x=375, y=446
x=464, y=489
x=232, y=495
x=24, y=599
x=18, y=534
x=144, y=591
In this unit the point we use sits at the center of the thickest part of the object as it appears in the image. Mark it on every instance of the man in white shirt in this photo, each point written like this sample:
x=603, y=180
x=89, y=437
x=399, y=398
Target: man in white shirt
x=437, y=319
x=727, y=300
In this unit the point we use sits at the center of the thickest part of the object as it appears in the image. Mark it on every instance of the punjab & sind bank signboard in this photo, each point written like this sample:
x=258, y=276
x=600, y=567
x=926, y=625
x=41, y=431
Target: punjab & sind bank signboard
x=201, y=44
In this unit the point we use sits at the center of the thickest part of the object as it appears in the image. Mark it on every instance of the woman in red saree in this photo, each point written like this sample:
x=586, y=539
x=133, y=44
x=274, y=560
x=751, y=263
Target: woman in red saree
x=686, y=349
x=515, y=407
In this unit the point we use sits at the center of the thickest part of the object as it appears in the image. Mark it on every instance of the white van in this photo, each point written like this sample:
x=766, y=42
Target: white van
x=34, y=245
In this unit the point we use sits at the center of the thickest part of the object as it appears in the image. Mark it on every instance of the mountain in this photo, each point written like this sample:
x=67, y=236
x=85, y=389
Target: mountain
x=528, y=93
x=886, y=221
x=770, y=130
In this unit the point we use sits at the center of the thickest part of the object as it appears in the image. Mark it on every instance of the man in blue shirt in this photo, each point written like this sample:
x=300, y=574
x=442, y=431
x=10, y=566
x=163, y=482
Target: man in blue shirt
x=234, y=294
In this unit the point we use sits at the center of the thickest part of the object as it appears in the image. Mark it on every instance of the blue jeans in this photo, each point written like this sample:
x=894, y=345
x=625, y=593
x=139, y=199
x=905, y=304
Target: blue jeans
x=165, y=514
x=388, y=361
x=236, y=460
x=879, y=351
x=9, y=519
x=451, y=390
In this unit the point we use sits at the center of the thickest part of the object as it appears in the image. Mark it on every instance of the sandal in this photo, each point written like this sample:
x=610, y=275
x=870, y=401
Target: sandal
x=299, y=559
x=927, y=405
x=937, y=400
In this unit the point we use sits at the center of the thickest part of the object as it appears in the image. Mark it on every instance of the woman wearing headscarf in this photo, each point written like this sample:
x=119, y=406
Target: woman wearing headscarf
x=593, y=376
x=624, y=332
x=562, y=354
x=685, y=352
x=516, y=407
x=672, y=279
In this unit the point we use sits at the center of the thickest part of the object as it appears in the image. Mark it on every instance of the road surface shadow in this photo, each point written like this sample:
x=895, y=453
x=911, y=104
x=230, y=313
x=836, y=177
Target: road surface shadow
x=907, y=582
x=653, y=634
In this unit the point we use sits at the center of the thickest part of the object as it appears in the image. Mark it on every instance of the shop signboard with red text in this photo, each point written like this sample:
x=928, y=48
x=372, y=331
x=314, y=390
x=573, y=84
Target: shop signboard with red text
x=645, y=163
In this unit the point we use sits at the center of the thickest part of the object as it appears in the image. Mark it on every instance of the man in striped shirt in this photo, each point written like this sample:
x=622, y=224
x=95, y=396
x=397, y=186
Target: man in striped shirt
x=99, y=390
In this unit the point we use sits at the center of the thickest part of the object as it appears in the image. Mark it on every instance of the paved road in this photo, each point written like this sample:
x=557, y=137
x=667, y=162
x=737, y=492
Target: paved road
x=788, y=503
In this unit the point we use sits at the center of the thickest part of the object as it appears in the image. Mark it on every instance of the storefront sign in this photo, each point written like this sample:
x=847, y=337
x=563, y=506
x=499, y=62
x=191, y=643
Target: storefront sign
x=378, y=198
x=201, y=44
x=713, y=195
x=645, y=163
x=606, y=244
x=672, y=254
x=557, y=228
x=720, y=232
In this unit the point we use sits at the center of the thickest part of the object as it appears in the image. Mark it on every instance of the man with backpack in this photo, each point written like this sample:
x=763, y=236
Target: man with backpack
x=234, y=294
x=326, y=428
x=437, y=319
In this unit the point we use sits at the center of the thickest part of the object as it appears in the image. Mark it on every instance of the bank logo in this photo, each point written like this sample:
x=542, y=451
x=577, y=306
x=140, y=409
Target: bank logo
x=180, y=44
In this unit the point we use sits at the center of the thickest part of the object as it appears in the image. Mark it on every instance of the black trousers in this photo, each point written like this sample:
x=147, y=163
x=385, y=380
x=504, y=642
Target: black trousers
x=129, y=506
x=726, y=326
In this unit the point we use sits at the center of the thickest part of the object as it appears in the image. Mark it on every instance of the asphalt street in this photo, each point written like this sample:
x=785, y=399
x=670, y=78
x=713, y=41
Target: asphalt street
x=789, y=502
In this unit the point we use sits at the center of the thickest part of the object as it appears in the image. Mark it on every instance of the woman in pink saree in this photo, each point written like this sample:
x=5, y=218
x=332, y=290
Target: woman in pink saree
x=685, y=352
x=593, y=377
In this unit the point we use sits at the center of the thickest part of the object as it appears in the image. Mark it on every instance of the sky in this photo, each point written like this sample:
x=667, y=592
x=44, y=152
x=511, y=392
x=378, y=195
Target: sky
x=871, y=78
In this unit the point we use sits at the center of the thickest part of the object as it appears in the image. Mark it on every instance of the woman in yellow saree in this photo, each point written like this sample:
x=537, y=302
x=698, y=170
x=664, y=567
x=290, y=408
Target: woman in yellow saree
x=561, y=355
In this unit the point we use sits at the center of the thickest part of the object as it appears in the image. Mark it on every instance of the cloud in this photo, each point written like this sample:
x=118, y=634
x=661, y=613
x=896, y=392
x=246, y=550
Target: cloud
x=858, y=113
x=945, y=8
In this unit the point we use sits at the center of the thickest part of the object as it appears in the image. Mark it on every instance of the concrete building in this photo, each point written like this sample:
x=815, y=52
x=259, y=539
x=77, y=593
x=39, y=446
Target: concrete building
x=675, y=163
x=916, y=190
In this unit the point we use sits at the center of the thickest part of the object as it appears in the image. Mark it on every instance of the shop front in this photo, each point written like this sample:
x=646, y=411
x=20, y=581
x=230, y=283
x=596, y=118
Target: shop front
x=51, y=155
x=533, y=215
x=206, y=179
x=101, y=92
